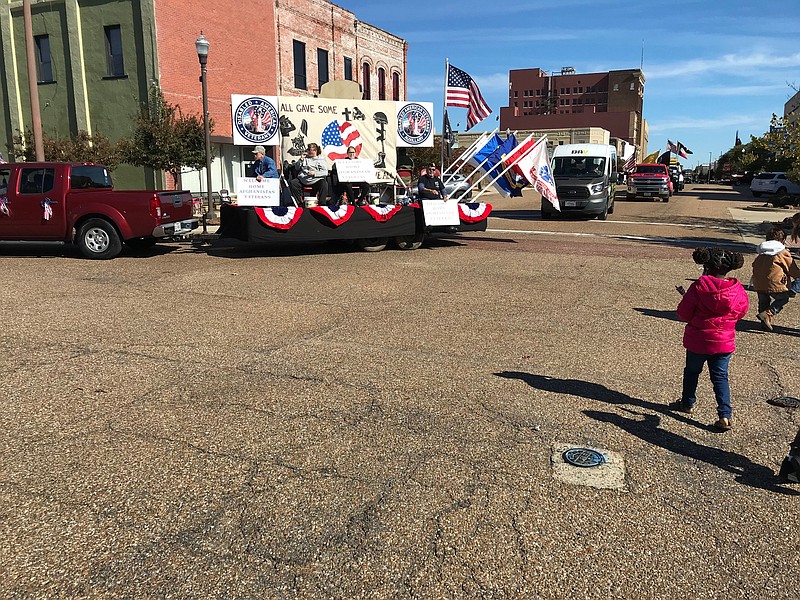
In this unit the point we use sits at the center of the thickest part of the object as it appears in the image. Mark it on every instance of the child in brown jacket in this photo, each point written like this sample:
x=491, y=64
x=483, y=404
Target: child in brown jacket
x=773, y=270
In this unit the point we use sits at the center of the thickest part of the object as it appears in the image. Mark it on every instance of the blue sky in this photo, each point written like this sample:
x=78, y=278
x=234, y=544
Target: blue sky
x=711, y=68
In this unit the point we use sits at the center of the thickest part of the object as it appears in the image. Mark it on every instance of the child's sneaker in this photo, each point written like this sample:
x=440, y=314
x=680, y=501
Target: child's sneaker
x=722, y=424
x=765, y=316
x=680, y=406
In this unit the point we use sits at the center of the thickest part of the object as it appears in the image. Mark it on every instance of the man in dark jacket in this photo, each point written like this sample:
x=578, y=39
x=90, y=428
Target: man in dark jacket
x=430, y=185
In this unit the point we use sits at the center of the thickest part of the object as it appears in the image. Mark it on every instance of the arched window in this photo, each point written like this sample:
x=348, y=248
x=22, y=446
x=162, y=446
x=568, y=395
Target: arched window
x=381, y=84
x=396, y=86
x=365, y=80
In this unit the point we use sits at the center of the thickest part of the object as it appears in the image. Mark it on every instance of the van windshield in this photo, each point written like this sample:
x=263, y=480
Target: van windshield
x=579, y=166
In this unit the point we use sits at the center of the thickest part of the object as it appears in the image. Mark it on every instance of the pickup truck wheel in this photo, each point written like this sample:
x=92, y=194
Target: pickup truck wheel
x=409, y=242
x=98, y=239
x=372, y=244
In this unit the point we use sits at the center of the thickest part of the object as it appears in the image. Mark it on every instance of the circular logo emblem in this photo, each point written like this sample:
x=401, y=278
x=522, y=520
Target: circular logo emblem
x=414, y=124
x=256, y=120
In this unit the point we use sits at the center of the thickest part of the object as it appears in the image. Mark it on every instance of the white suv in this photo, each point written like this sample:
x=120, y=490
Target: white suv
x=773, y=183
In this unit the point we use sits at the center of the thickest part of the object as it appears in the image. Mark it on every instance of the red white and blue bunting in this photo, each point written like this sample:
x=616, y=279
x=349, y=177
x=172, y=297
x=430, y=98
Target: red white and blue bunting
x=335, y=214
x=382, y=212
x=279, y=217
x=472, y=212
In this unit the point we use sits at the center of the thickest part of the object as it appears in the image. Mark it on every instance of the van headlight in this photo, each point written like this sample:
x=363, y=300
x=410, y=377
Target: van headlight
x=597, y=188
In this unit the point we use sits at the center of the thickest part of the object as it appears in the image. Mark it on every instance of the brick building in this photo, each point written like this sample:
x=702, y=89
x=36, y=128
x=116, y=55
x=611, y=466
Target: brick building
x=97, y=59
x=611, y=101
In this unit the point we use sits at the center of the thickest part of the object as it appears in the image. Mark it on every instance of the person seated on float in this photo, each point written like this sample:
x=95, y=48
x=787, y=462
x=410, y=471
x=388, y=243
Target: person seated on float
x=430, y=185
x=351, y=192
x=312, y=172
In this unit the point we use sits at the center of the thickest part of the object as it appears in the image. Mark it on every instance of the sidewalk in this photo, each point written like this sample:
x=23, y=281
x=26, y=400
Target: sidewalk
x=754, y=221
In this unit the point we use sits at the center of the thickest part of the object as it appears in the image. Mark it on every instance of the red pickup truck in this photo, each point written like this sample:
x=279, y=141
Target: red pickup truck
x=51, y=201
x=650, y=181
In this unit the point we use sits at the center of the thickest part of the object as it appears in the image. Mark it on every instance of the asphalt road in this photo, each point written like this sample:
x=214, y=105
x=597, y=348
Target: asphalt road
x=239, y=422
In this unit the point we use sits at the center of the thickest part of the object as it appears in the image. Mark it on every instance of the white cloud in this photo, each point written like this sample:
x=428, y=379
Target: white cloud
x=728, y=63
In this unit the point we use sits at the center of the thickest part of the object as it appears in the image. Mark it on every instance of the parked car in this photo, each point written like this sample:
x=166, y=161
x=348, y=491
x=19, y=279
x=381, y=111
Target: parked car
x=773, y=183
x=457, y=186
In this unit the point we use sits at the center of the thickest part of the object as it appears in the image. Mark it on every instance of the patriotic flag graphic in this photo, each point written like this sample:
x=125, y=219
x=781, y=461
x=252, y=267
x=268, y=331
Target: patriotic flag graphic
x=671, y=147
x=416, y=124
x=257, y=119
x=48, y=209
x=335, y=214
x=535, y=167
x=463, y=92
x=630, y=163
x=279, y=217
x=4, y=207
x=683, y=151
x=382, y=212
x=336, y=138
x=472, y=212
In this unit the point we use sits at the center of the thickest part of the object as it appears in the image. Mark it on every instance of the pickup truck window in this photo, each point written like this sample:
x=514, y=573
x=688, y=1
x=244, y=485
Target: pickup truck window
x=89, y=176
x=36, y=181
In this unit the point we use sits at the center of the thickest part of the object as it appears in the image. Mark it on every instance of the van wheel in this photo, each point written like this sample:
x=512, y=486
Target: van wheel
x=98, y=239
x=611, y=208
x=603, y=215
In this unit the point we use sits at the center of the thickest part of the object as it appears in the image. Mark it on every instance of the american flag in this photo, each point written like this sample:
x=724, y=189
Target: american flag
x=336, y=138
x=630, y=163
x=462, y=91
x=48, y=210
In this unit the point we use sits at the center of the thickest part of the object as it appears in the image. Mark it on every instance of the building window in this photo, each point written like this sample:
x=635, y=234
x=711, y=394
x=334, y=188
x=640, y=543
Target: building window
x=348, y=68
x=381, y=84
x=44, y=64
x=365, y=81
x=616, y=87
x=299, y=52
x=114, y=59
x=633, y=85
x=516, y=94
x=396, y=87
x=322, y=67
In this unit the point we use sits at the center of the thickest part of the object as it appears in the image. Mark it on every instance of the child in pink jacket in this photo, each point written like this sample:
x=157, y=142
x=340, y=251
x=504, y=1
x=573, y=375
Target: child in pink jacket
x=711, y=307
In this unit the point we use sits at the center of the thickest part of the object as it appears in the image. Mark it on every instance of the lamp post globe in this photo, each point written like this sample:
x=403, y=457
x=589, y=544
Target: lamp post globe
x=201, y=45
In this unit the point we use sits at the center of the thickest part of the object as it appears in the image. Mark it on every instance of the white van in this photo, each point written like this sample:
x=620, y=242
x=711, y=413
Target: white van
x=586, y=180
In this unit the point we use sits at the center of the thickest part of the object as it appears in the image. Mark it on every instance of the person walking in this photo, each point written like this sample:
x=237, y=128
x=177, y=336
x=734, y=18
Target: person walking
x=773, y=270
x=711, y=308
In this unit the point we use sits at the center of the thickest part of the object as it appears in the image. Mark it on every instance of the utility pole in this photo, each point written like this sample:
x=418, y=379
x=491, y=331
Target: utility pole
x=33, y=87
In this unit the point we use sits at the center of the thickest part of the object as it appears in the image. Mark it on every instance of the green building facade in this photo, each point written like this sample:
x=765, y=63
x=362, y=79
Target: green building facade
x=95, y=61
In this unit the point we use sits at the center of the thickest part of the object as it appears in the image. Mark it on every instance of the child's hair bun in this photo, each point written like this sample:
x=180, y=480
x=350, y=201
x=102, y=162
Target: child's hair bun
x=718, y=260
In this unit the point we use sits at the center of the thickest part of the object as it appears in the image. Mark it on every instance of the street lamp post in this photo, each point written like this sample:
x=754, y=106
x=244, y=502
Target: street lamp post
x=201, y=45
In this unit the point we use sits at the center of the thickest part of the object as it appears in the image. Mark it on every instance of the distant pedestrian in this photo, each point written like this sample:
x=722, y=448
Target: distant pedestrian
x=773, y=271
x=711, y=308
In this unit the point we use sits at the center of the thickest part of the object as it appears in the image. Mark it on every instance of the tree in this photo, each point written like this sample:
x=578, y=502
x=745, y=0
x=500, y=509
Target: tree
x=782, y=145
x=164, y=139
x=82, y=147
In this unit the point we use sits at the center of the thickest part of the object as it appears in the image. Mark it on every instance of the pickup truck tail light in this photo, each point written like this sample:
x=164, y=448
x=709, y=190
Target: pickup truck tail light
x=155, y=207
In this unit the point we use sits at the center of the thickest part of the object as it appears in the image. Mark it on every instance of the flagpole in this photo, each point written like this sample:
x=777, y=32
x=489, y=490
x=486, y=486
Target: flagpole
x=480, y=165
x=462, y=160
x=472, y=149
x=532, y=148
x=444, y=106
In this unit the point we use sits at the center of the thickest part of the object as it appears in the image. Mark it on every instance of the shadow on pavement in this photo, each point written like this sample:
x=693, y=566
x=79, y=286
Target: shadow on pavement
x=746, y=471
x=748, y=326
x=648, y=430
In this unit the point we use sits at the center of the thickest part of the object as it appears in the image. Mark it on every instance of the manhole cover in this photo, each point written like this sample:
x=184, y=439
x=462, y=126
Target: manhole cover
x=785, y=402
x=584, y=457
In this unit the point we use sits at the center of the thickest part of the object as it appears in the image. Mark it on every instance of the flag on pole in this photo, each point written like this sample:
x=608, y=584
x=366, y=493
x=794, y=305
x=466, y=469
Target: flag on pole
x=738, y=140
x=488, y=147
x=447, y=137
x=535, y=167
x=651, y=158
x=494, y=167
x=671, y=147
x=463, y=92
x=664, y=158
x=630, y=162
x=683, y=150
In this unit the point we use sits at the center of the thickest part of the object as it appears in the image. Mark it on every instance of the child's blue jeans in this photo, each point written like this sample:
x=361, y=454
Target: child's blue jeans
x=718, y=370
